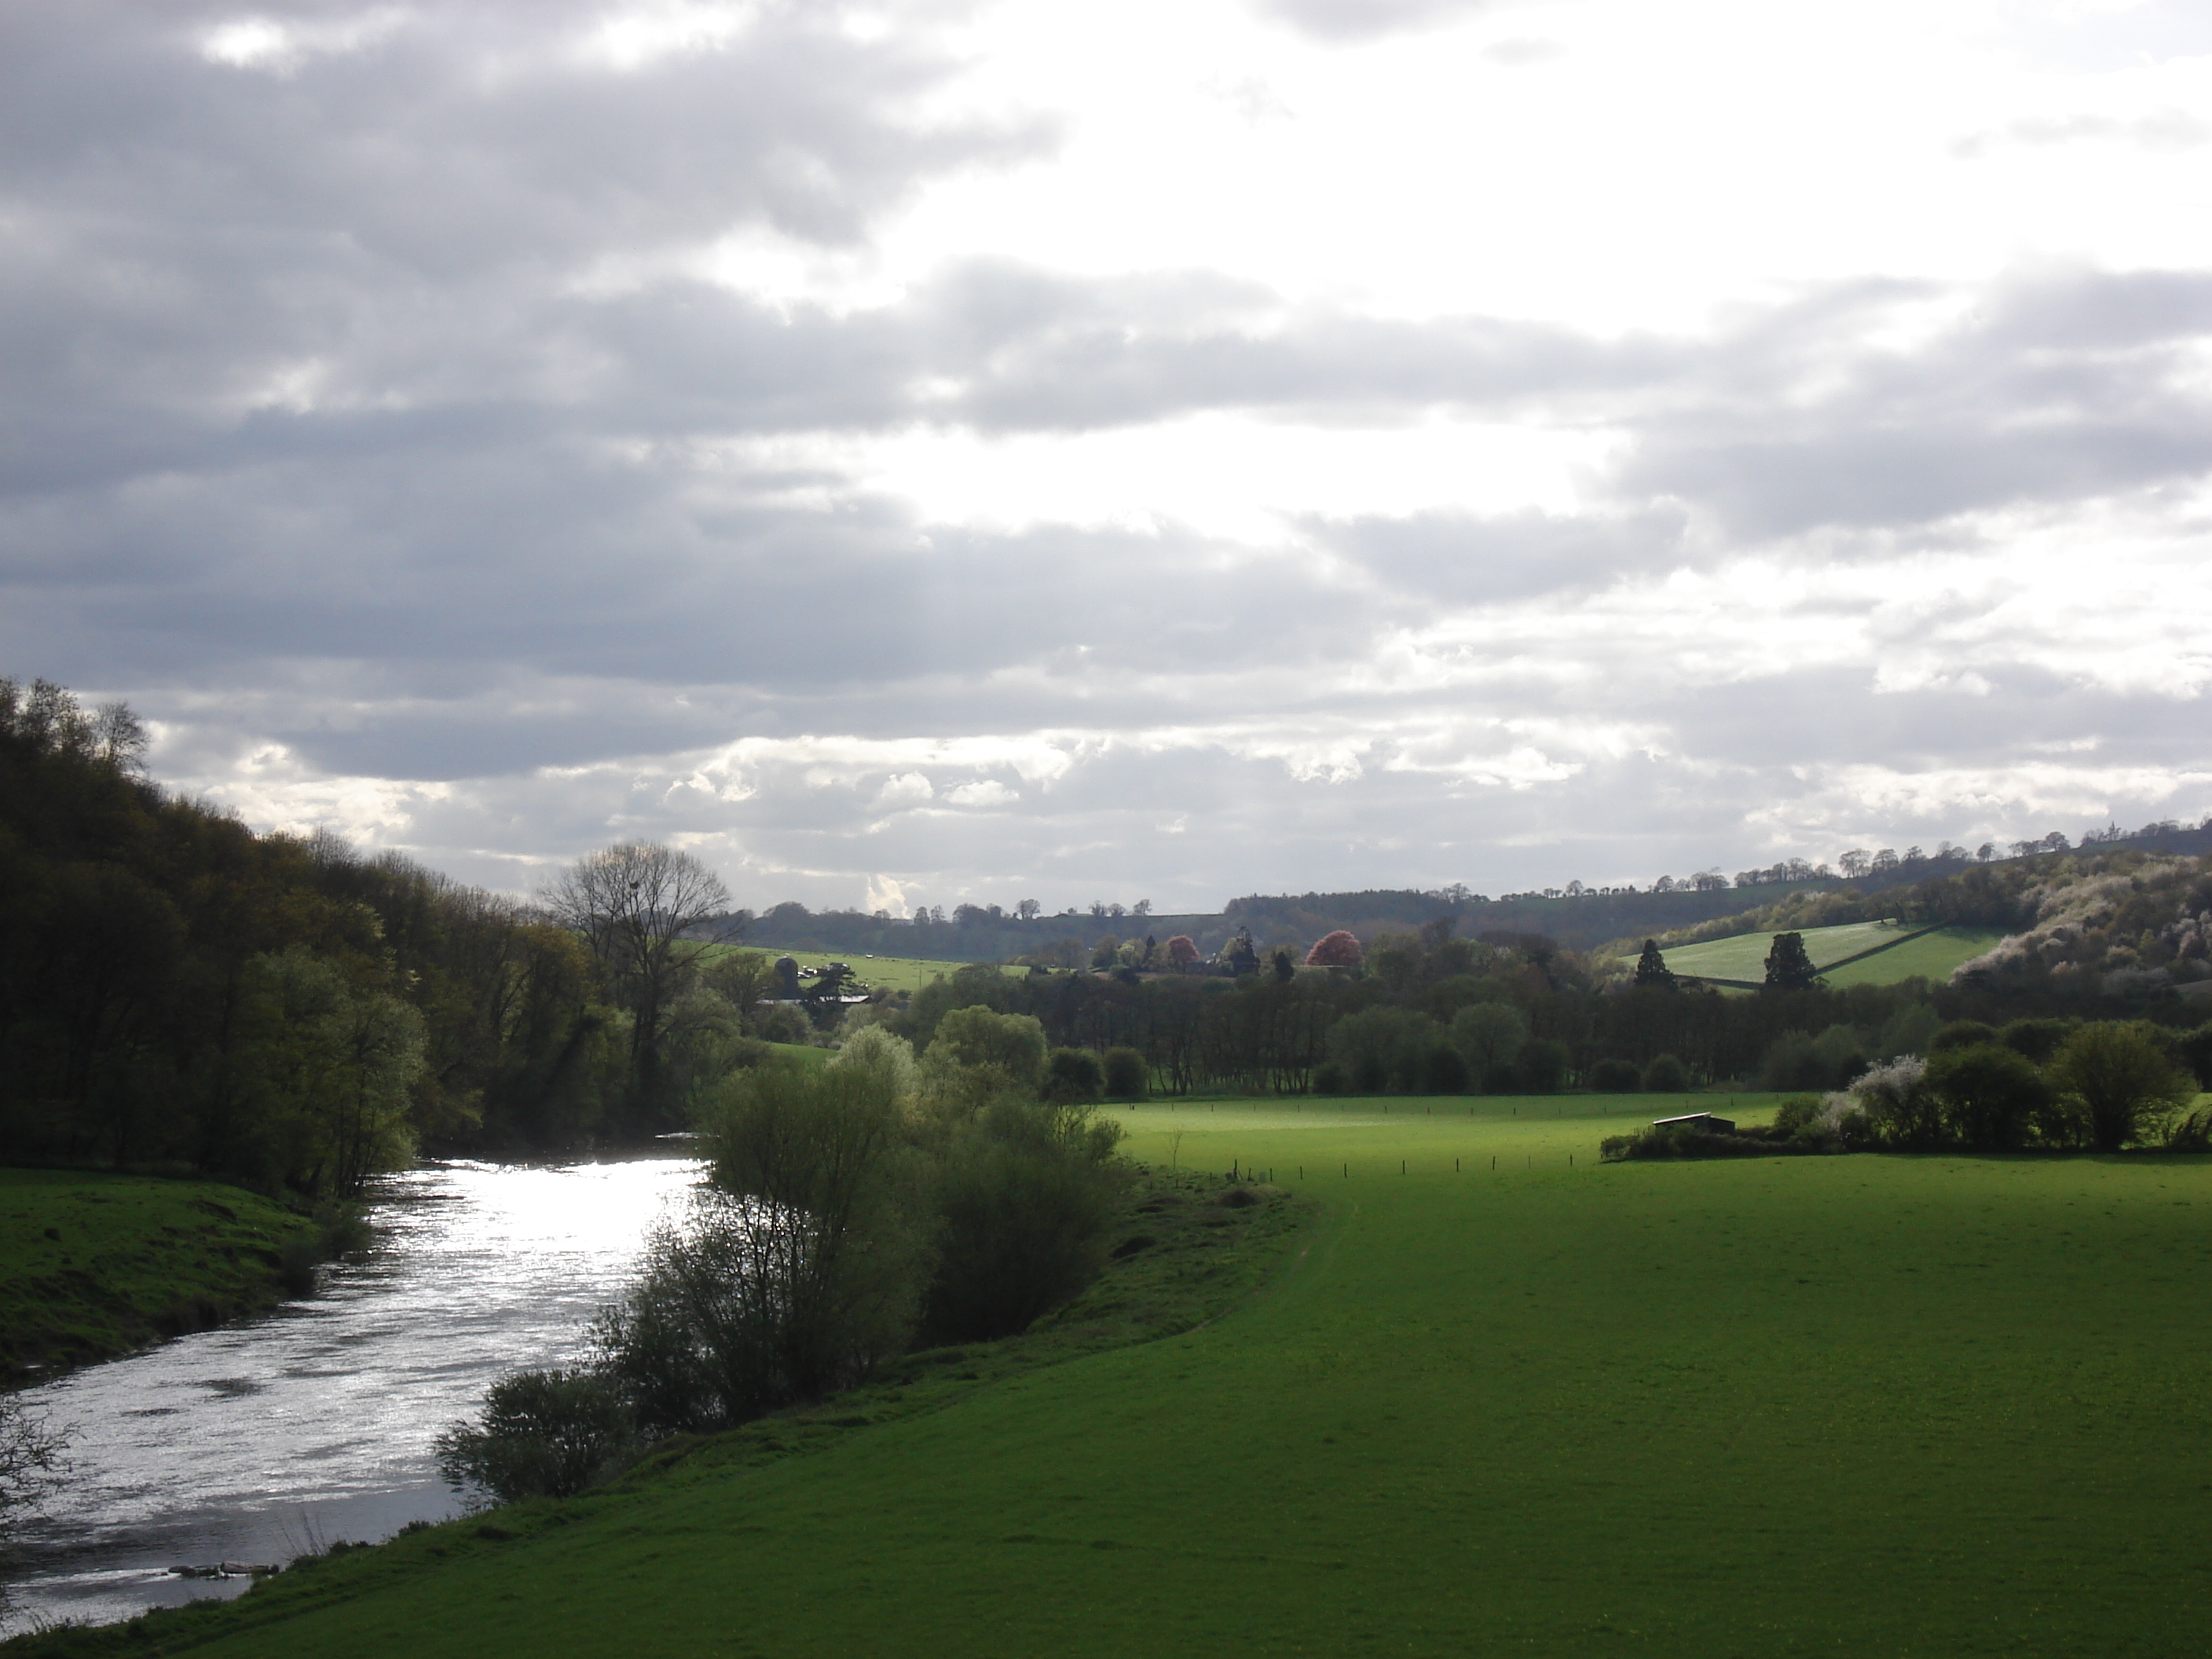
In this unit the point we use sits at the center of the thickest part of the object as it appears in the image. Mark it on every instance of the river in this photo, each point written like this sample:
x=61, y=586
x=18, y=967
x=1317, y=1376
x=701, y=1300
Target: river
x=262, y=1441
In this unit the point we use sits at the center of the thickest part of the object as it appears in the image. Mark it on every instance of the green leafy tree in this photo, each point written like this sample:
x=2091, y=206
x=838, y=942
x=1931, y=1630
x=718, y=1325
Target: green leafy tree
x=1990, y=1095
x=1126, y=1073
x=327, y=1071
x=540, y=1434
x=2120, y=1080
x=1489, y=1035
x=1074, y=1076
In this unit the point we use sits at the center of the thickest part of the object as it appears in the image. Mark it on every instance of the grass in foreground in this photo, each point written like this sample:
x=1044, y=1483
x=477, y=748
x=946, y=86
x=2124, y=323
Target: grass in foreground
x=94, y=1265
x=1852, y=1405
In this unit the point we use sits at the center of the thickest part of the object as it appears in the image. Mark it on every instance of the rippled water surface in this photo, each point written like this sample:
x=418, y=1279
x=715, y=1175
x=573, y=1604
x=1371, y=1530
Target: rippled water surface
x=259, y=1441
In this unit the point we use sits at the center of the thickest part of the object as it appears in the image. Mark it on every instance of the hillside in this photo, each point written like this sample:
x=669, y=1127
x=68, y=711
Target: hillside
x=1856, y=953
x=2114, y=922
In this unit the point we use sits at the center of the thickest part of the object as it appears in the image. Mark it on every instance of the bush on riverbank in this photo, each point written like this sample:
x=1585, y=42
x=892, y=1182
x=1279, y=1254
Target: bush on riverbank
x=851, y=1210
x=541, y=1434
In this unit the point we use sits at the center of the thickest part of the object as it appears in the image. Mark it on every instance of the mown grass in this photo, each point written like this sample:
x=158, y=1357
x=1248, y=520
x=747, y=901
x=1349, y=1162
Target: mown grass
x=1932, y=956
x=1850, y=1405
x=94, y=1265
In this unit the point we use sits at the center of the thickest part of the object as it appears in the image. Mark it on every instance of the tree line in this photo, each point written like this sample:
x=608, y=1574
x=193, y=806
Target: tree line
x=1428, y=1012
x=178, y=991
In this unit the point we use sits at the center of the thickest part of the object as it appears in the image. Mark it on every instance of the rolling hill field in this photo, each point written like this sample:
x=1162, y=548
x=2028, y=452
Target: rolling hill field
x=1897, y=955
x=1498, y=1398
x=878, y=973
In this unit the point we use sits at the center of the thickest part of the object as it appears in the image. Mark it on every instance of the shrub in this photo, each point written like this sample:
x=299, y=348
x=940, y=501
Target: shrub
x=1896, y=1105
x=2194, y=1050
x=1073, y=1077
x=1666, y=1075
x=541, y=1434
x=1961, y=1034
x=783, y=1024
x=1990, y=1095
x=1442, y=1071
x=2036, y=1040
x=1615, y=1077
x=1126, y=1074
x=888, y=1059
x=33, y=1459
x=1501, y=1077
x=1543, y=1065
x=1797, y=1113
x=1024, y=1197
x=1790, y=1064
x=976, y=1037
x=1487, y=1034
x=1382, y=1049
x=793, y=1273
x=2118, y=1076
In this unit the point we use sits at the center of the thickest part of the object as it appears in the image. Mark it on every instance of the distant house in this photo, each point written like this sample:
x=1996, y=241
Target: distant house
x=1703, y=1122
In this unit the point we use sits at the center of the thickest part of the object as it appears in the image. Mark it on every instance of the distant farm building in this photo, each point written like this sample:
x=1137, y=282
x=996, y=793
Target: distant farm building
x=1703, y=1122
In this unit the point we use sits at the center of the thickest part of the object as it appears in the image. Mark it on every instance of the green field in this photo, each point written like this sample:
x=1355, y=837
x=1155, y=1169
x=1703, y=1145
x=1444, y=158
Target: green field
x=879, y=972
x=93, y=1265
x=1931, y=956
x=1860, y=1405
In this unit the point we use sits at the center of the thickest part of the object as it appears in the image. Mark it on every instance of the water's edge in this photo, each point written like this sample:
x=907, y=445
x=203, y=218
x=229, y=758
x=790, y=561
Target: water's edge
x=267, y=1439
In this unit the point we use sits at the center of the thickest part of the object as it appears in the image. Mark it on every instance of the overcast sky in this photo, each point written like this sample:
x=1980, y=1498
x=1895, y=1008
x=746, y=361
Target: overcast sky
x=1170, y=450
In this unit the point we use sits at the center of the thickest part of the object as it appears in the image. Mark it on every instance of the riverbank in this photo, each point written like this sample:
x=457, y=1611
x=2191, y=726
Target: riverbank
x=94, y=1265
x=1185, y=1261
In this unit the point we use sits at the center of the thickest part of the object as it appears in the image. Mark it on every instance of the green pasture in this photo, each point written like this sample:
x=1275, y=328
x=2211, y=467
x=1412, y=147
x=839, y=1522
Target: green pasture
x=93, y=1264
x=907, y=974
x=1937, y=1405
x=1931, y=956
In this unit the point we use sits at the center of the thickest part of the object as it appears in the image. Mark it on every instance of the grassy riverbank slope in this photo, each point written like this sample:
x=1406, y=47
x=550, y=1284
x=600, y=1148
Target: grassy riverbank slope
x=1941, y=1405
x=94, y=1265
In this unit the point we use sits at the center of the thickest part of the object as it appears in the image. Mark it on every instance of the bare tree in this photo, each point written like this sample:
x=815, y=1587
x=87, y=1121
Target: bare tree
x=32, y=1460
x=632, y=903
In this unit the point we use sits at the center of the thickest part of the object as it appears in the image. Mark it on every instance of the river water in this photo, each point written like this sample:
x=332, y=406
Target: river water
x=260, y=1442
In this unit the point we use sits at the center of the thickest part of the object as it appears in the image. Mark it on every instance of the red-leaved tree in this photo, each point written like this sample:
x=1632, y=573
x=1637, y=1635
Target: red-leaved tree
x=1182, y=951
x=1336, y=950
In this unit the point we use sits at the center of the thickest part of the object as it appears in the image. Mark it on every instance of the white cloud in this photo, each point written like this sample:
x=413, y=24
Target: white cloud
x=1177, y=447
x=985, y=792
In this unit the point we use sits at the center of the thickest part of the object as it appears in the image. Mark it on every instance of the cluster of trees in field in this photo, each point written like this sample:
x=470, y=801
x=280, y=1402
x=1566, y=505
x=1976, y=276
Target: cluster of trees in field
x=2060, y=1084
x=852, y=1211
x=175, y=989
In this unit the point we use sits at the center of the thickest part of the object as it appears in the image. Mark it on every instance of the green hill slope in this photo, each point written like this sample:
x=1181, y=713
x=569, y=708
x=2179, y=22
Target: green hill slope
x=1856, y=1405
x=1898, y=954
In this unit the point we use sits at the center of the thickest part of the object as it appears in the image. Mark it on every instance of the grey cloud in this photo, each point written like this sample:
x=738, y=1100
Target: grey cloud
x=1463, y=559
x=2059, y=388
x=1369, y=20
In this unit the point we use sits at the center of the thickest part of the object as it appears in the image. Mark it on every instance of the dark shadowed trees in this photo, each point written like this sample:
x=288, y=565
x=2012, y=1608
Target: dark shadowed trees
x=1789, y=965
x=632, y=903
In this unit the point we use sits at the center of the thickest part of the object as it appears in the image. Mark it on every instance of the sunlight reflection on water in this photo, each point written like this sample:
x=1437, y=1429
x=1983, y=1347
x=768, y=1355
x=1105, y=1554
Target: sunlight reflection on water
x=256, y=1442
